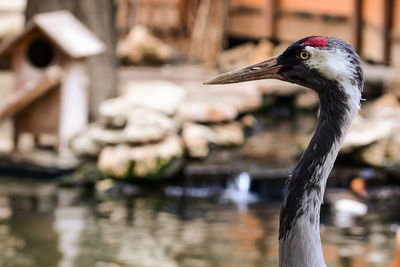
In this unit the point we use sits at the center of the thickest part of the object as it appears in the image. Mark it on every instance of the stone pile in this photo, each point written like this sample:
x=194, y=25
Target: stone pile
x=374, y=137
x=149, y=130
x=142, y=47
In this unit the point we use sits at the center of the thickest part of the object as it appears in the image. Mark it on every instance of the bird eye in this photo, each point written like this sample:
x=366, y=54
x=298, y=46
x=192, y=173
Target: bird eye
x=304, y=55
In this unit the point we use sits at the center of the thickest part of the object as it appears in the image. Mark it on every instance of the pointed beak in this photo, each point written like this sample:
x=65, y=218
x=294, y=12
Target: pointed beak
x=267, y=69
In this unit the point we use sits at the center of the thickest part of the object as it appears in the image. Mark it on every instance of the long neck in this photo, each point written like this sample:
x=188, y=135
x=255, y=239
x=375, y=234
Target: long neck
x=299, y=238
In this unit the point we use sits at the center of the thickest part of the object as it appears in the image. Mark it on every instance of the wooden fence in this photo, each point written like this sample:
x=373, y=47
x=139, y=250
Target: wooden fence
x=372, y=26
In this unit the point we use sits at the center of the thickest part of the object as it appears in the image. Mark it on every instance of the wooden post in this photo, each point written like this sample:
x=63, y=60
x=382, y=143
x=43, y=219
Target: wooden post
x=387, y=30
x=209, y=29
x=271, y=18
x=123, y=18
x=356, y=22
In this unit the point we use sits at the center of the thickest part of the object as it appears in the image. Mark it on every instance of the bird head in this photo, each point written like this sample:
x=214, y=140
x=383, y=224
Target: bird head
x=313, y=62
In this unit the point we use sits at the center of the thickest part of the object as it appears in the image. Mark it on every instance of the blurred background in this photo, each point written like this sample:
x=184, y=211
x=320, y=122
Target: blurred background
x=113, y=153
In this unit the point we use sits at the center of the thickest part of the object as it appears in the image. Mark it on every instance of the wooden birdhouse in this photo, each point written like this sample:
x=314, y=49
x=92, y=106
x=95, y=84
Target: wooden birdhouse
x=48, y=60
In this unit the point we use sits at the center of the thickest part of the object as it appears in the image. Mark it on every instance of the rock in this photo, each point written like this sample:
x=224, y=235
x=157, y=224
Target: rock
x=143, y=118
x=84, y=144
x=141, y=47
x=235, y=57
x=386, y=106
x=280, y=88
x=219, y=103
x=208, y=112
x=160, y=95
x=147, y=161
x=384, y=153
x=5, y=209
x=230, y=134
x=245, y=98
x=114, y=112
x=197, y=137
x=114, y=160
x=374, y=141
x=142, y=126
x=393, y=87
x=105, y=136
x=373, y=137
x=364, y=132
x=248, y=121
x=243, y=55
x=377, y=79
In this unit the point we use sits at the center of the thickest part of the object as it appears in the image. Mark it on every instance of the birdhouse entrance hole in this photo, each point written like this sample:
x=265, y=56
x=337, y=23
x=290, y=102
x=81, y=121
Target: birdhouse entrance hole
x=40, y=53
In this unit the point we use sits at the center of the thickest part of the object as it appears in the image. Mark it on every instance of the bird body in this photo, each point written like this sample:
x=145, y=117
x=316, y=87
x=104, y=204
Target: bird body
x=332, y=68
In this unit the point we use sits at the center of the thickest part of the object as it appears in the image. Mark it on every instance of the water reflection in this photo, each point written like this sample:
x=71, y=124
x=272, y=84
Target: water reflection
x=156, y=230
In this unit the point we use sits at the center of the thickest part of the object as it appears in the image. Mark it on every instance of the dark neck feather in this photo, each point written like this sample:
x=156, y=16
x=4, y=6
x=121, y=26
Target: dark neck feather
x=306, y=177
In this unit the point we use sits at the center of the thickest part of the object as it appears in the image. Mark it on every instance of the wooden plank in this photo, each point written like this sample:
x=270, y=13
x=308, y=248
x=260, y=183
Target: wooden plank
x=395, y=45
x=321, y=7
x=22, y=98
x=373, y=12
x=262, y=21
x=255, y=4
x=42, y=115
x=271, y=17
x=291, y=28
x=396, y=18
x=158, y=15
x=373, y=42
x=250, y=24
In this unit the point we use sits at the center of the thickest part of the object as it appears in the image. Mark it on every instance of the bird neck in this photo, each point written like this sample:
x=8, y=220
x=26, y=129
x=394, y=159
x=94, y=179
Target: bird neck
x=299, y=238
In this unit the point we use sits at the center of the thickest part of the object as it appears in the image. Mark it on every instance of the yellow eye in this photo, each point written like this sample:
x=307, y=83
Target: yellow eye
x=304, y=55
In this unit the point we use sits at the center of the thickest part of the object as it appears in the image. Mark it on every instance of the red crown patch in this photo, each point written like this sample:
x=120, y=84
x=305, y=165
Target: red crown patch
x=316, y=41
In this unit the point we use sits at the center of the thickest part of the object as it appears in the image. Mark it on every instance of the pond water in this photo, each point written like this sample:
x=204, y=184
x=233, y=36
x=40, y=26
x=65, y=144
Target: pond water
x=42, y=225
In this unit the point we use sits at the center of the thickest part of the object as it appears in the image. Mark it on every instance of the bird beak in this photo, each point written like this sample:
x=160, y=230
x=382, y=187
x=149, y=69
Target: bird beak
x=267, y=69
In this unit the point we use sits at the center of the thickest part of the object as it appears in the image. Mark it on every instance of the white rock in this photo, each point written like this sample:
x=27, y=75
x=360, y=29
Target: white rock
x=114, y=111
x=142, y=126
x=163, y=96
x=149, y=160
x=143, y=117
x=84, y=144
x=208, y=112
x=230, y=134
x=218, y=103
x=197, y=137
x=364, y=132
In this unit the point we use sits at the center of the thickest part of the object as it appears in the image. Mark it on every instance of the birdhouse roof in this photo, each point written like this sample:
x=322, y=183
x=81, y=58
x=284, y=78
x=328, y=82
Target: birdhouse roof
x=65, y=31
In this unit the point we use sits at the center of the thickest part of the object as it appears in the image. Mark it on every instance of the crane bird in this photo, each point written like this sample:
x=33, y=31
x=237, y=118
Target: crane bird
x=332, y=68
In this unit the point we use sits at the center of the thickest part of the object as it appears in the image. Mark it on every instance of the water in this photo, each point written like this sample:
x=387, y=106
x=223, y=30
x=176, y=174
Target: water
x=43, y=226
x=238, y=192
